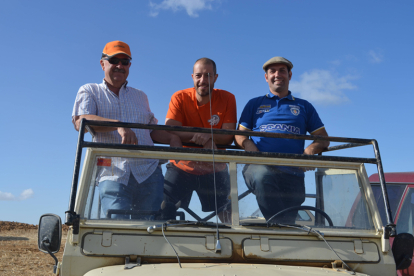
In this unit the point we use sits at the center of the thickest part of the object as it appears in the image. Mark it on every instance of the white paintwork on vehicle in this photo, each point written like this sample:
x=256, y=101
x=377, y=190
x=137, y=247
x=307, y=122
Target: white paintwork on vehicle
x=212, y=269
x=155, y=246
x=102, y=245
x=296, y=250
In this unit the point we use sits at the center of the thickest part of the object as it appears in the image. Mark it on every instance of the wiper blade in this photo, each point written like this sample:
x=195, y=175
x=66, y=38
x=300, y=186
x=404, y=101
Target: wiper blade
x=163, y=226
x=171, y=223
x=269, y=224
x=211, y=224
x=284, y=225
x=253, y=224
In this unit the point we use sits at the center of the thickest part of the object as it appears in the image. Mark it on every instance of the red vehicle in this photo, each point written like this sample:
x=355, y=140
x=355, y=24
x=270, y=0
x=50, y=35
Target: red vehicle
x=400, y=188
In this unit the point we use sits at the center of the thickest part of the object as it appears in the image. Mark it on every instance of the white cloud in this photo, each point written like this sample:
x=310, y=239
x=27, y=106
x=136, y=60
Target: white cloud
x=322, y=87
x=26, y=194
x=336, y=62
x=10, y=197
x=192, y=7
x=351, y=58
x=6, y=196
x=375, y=56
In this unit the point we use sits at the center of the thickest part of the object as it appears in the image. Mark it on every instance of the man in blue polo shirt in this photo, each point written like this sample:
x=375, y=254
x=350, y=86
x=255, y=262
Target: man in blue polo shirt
x=275, y=187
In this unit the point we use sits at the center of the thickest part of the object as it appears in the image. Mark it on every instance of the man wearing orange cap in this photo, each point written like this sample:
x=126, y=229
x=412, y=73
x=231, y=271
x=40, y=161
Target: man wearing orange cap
x=123, y=183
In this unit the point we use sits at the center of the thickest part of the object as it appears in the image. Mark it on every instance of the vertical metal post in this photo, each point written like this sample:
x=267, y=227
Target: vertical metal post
x=319, y=200
x=70, y=214
x=233, y=194
x=390, y=221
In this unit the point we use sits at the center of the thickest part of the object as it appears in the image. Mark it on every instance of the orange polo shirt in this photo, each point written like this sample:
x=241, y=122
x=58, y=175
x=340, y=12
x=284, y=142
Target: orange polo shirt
x=184, y=108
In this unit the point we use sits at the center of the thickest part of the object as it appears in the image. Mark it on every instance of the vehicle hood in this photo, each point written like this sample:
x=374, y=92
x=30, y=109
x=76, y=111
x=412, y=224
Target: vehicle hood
x=210, y=269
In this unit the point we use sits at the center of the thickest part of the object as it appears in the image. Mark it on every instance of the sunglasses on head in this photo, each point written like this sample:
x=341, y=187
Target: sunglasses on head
x=113, y=60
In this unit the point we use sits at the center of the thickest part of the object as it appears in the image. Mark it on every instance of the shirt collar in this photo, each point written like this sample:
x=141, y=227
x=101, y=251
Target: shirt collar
x=289, y=96
x=104, y=83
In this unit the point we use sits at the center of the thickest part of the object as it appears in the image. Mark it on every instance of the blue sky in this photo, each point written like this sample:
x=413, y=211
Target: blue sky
x=352, y=60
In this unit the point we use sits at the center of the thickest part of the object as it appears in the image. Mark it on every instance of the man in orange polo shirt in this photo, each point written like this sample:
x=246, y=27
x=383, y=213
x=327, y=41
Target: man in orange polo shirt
x=191, y=107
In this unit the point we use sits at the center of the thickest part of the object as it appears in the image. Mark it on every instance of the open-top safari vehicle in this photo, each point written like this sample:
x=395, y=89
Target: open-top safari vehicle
x=338, y=229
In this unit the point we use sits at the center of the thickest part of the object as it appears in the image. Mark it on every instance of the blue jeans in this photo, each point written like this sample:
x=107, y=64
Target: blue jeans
x=181, y=185
x=145, y=196
x=275, y=190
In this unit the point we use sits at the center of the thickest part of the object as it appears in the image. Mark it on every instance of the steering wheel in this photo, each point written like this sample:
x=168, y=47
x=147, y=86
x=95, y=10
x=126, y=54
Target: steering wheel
x=297, y=208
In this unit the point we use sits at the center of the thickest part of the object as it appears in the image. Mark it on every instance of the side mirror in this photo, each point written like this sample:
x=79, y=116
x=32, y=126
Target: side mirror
x=402, y=249
x=49, y=234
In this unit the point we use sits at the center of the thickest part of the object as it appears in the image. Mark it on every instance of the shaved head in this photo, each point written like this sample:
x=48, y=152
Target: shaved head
x=206, y=61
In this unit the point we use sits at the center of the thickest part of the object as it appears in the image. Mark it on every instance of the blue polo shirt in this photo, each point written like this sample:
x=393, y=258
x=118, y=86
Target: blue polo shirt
x=288, y=115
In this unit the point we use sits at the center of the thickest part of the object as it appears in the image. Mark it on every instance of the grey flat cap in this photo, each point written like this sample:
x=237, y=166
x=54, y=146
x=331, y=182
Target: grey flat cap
x=275, y=60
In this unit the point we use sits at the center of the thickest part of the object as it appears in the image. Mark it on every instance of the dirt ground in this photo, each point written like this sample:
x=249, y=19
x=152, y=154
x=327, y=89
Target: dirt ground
x=19, y=254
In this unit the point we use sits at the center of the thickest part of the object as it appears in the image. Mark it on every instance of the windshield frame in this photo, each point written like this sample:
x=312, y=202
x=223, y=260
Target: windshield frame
x=73, y=218
x=89, y=169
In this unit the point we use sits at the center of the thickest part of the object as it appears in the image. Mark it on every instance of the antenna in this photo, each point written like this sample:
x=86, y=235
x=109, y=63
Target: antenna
x=218, y=245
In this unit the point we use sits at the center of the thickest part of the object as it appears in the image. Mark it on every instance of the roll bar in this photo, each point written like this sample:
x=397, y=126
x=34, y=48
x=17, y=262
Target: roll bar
x=73, y=219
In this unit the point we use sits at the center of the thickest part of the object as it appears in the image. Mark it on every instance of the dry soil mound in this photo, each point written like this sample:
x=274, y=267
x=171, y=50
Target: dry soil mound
x=19, y=254
x=11, y=225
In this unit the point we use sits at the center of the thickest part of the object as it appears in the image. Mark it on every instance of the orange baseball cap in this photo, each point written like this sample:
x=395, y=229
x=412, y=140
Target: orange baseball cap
x=114, y=48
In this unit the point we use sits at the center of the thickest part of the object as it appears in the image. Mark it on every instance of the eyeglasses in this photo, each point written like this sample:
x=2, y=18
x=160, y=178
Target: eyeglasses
x=124, y=61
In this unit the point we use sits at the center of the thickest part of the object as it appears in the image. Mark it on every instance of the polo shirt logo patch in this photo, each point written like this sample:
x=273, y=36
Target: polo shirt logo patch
x=263, y=109
x=215, y=119
x=295, y=110
x=279, y=127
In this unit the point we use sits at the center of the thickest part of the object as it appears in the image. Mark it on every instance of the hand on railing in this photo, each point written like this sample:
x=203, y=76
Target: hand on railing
x=128, y=136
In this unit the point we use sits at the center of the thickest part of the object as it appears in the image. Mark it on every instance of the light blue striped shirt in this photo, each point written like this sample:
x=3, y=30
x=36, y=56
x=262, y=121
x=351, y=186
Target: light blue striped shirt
x=130, y=107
